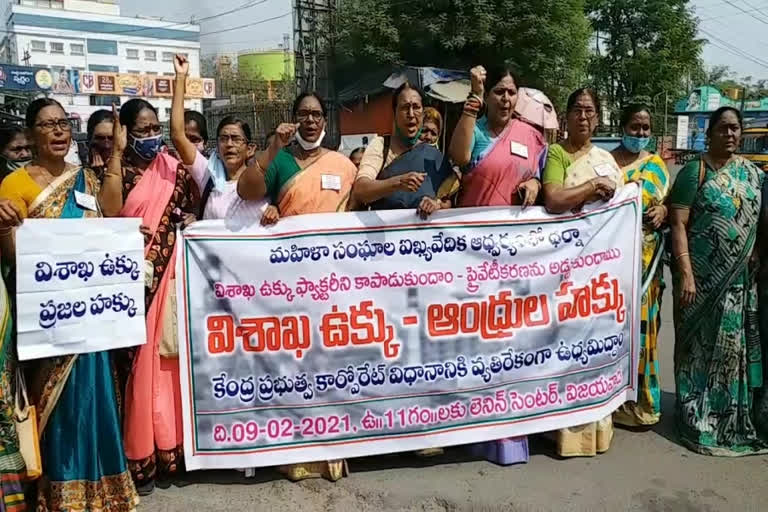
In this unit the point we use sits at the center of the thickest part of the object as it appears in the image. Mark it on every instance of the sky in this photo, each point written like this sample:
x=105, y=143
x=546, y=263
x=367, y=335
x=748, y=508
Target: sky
x=723, y=22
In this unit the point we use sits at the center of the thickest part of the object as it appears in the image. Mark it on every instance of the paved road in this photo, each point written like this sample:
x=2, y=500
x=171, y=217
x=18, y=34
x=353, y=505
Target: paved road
x=645, y=471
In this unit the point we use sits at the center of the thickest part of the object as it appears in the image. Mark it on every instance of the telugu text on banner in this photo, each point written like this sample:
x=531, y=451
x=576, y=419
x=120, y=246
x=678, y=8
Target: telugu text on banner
x=74, y=296
x=343, y=335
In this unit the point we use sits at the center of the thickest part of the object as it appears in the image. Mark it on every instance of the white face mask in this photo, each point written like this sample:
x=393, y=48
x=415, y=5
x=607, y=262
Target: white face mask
x=309, y=146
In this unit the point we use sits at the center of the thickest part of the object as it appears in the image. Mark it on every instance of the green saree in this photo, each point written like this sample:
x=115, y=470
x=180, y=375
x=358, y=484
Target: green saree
x=718, y=358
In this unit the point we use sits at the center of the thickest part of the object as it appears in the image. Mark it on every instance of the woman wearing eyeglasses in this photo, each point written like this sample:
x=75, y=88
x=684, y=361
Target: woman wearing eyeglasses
x=217, y=175
x=578, y=173
x=304, y=177
x=159, y=189
x=82, y=450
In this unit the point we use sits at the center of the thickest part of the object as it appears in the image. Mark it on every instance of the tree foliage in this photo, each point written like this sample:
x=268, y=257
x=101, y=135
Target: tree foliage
x=545, y=40
x=642, y=48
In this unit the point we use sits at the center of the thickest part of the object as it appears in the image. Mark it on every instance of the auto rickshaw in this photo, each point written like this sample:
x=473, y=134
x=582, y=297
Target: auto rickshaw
x=754, y=146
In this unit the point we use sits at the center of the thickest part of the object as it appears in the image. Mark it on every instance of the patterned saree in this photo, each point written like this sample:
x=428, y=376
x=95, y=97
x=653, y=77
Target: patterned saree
x=84, y=464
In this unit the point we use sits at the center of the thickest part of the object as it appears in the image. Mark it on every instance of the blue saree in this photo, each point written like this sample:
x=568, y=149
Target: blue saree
x=84, y=466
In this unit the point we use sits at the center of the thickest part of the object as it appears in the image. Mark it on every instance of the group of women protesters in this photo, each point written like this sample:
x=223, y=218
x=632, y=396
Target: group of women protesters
x=110, y=423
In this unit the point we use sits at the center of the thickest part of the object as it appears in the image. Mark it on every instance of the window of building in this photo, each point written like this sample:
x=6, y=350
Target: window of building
x=132, y=53
x=104, y=101
x=76, y=49
x=151, y=72
x=167, y=56
x=106, y=69
x=38, y=46
x=169, y=74
x=102, y=46
x=134, y=71
x=57, y=47
x=150, y=55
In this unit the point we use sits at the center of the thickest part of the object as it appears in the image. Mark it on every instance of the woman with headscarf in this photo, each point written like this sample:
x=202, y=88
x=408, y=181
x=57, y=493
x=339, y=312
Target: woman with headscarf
x=302, y=178
x=216, y=177
x=15, y=150
x=501, y=154
x=82, y=449
x=99, y=133
x=577, y=173
x=650, y=173
x=715, y=211
x=160, y=190
x=400, y=173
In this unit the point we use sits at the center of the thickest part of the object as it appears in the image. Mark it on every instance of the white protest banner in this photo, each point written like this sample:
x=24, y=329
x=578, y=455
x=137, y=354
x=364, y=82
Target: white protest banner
x=353, y=334
x=79, y=286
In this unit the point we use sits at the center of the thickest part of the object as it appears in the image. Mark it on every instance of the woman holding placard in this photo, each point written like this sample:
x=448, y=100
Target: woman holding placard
x=84, y=467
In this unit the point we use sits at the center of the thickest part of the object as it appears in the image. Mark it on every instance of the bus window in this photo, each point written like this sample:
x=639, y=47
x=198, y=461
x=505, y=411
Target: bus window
x=754, y=144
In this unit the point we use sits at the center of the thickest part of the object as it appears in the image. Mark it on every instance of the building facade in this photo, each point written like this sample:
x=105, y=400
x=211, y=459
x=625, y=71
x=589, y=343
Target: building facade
x=90, y=35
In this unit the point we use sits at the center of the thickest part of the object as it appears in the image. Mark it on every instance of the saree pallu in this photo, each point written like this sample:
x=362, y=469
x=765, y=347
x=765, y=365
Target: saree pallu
x=652, y=175
x=152, y=395
x=322, y=187
x=495, y=179
x=84, y=465
x=12, y=470
x=718, y=357
x=423, y=158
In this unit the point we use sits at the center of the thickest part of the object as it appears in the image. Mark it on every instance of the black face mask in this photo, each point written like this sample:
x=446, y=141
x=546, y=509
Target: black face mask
x=7, y=166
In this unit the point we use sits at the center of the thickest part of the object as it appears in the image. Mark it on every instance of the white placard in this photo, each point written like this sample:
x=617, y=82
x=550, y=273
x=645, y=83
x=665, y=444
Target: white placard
x=79, y=286
x=682, y=132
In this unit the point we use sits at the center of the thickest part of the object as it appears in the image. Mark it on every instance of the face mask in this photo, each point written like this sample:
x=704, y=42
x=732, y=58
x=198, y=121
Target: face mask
x=634, y=144
x=309, y=146
x=146, y=148
x=13, y=165
x=409, y=141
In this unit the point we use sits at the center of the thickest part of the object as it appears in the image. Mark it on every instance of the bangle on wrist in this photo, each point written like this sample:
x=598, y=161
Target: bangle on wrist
x=682, y=255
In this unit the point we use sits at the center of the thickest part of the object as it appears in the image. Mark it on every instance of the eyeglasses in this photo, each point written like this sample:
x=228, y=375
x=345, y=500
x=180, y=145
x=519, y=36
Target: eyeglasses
x=303, y=115
x=48, y=126
x=417, y=108
x=237, y=140
x=589, y=113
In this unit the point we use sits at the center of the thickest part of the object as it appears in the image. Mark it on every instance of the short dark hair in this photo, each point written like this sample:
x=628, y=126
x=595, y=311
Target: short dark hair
x=131, y=110
x=193, y=116
x=404, y=87
x=8, y=133
x=578, y=93
x=717, y=114
x=96, y=119
x=494, y=74
x=630, y=110
x=36, y=106
x=308, y=94
x=357, y=150
x=229, y=120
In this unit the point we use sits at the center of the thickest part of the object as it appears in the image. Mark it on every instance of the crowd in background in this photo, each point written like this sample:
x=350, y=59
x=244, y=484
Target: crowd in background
x=110, y=423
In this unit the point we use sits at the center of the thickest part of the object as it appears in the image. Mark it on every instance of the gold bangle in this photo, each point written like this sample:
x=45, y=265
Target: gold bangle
x=677, y=258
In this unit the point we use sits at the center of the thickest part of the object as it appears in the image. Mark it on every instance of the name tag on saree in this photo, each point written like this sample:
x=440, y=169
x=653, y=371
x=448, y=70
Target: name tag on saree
x=85, y=201
x=518, y=149
x=604, y=170
x=330, y=182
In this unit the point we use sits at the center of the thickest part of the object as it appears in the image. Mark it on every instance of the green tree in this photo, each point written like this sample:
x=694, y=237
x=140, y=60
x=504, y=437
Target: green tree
x=545, y=40
x=642, y=48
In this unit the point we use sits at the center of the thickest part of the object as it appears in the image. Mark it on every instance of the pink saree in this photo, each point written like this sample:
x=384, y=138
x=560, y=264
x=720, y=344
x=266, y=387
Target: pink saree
x=494, y=180
x=152, y=397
